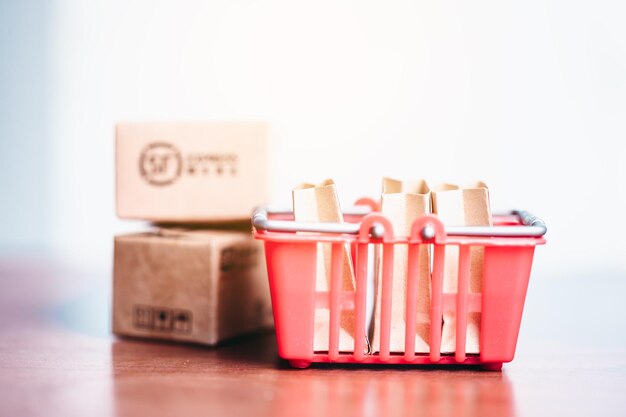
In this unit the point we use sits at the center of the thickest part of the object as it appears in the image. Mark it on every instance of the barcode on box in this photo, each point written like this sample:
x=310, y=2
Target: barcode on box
x=162, y=319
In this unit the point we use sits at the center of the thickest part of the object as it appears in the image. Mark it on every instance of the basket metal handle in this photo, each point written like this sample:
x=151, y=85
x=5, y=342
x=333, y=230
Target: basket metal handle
x=533, y=226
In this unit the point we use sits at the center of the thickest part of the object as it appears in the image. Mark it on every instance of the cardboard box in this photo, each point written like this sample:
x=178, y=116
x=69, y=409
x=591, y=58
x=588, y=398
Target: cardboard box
x=193, y=286
x=190, y=172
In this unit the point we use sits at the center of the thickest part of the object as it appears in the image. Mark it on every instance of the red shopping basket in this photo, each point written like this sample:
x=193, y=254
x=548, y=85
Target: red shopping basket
x=291, y=262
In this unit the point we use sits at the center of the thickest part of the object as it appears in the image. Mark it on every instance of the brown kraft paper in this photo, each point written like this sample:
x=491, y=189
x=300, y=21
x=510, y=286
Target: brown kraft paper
x=319, y=203
x=462, y=206
x=402, y=203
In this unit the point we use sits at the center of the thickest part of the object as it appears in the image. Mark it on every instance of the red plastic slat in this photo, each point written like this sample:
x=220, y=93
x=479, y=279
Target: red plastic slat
x=474, y=301
x=346, y=300
x=411, y=301
x=461, y=302
x=360, y=302
x=436, y=300
x=385, y=312
x=336, y=278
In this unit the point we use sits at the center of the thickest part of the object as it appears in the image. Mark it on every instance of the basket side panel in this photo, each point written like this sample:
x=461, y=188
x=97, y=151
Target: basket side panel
x=291, y=272
x=506, y=272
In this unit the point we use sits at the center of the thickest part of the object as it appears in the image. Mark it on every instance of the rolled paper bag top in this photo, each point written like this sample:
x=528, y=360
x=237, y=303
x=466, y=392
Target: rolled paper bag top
x=466, y=205
x=319, y=203
x=402, y=203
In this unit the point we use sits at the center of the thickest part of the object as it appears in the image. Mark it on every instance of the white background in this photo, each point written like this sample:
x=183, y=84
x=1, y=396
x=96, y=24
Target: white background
x=527, y=96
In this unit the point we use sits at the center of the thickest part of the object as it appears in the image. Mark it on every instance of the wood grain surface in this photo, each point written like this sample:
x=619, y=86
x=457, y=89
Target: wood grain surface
x=57, y=358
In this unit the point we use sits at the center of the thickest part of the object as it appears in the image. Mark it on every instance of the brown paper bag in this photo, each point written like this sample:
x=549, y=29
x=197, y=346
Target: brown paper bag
x=402, y=203
x=319, y=203
x=462, y=206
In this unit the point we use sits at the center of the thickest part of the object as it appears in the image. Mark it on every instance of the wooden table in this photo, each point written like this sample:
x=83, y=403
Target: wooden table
x=58, y=358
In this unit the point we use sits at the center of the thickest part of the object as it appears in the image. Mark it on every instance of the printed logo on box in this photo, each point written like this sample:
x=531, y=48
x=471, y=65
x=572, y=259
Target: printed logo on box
x=161, y=164
x=162, y=319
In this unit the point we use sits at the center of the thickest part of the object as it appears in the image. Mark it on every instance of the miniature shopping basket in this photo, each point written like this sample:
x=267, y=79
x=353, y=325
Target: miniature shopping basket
x=291, y=262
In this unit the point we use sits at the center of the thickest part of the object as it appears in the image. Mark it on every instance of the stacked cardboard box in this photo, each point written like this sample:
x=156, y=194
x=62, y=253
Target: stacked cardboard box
x=199, y=275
